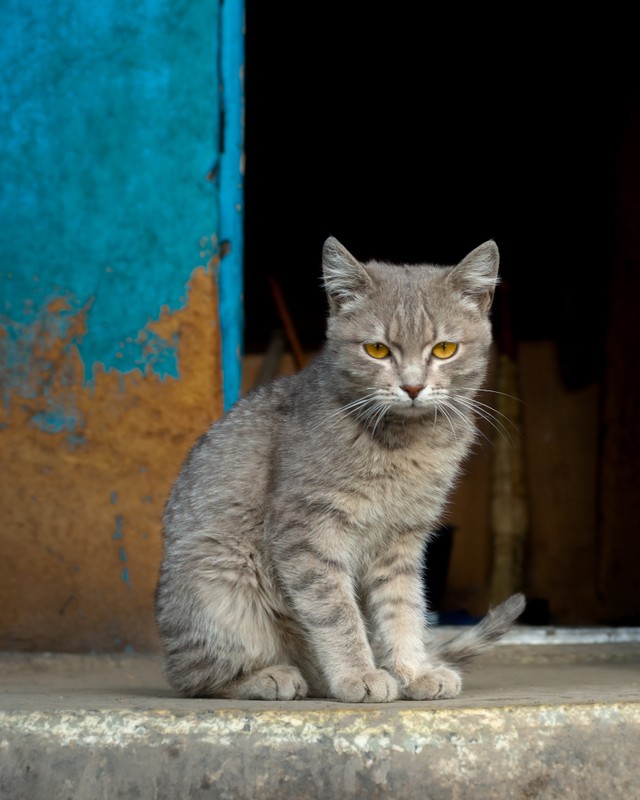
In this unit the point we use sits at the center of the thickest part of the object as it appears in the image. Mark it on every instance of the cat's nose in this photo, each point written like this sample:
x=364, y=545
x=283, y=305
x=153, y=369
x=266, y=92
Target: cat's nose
x=412, y=391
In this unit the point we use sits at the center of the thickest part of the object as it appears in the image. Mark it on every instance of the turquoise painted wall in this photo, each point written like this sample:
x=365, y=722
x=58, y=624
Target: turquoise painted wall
x=121, y=147
x=113, y=184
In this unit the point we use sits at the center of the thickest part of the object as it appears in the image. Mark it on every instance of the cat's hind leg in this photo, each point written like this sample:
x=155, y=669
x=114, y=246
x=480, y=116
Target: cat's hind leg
x=221, y=665
x=277, y=682
x=227, y=636
x=198, y=669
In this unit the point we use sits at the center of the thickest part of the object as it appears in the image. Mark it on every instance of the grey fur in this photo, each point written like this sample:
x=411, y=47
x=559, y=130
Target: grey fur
x=294, y=534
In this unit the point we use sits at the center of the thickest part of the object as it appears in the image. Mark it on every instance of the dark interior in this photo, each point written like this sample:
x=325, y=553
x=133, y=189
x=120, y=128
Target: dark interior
x=412, y=140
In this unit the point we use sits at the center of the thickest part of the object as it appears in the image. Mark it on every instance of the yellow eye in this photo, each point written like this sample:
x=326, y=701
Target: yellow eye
x=377, y=349
x=445, y=349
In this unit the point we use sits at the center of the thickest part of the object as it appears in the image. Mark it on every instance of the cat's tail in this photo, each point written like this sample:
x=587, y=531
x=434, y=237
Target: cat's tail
x=471, y=643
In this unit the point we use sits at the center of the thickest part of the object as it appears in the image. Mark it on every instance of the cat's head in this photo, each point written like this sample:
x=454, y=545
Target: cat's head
x=408, y=340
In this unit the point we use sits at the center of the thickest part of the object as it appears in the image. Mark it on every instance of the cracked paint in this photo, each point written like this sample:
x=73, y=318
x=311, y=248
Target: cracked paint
x=110, y=294
x=87, y=502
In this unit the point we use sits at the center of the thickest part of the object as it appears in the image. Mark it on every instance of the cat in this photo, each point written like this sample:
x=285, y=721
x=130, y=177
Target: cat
x=294, y=534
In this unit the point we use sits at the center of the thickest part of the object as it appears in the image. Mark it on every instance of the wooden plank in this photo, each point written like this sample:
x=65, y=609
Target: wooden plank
x=561, y=440
x=619, y=546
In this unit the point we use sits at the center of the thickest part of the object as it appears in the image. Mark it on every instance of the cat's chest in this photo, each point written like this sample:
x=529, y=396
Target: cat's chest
x=399, y=490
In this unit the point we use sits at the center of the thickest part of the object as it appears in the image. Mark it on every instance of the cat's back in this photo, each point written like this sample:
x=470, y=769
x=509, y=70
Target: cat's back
x=229, y=464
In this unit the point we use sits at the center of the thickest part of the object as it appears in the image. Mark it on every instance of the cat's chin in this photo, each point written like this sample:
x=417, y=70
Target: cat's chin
x=412, y=412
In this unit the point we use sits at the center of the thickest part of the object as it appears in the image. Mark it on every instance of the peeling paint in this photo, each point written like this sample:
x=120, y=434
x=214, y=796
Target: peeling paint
x=102, y=223
x=125, y=577
x=81, y=503
x=111, y=340
x=44, y=362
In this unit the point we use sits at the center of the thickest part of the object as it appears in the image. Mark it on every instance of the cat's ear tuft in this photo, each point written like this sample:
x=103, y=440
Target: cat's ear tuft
x=345, y=279
x=477, y=274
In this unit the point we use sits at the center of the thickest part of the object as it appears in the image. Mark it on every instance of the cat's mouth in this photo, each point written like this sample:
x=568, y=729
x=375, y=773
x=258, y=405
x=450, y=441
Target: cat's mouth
x=417, y=407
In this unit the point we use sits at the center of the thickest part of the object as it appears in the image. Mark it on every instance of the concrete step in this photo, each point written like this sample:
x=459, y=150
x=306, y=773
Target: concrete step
x=534, y=720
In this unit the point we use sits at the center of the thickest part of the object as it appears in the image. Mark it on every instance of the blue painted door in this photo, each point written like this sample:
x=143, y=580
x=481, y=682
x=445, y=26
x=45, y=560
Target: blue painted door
x=113, y=183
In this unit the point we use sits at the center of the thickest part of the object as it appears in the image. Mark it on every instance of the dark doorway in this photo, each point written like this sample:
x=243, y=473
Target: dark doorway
x=415, y=135
x=410, y=141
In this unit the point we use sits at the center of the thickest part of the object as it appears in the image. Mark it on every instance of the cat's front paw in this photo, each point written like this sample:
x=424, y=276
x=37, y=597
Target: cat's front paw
x=439, y=683
x=376, y=686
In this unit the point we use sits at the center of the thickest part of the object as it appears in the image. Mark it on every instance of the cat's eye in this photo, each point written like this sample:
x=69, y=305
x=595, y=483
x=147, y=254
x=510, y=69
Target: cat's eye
x=445, y=349
x=377, y=349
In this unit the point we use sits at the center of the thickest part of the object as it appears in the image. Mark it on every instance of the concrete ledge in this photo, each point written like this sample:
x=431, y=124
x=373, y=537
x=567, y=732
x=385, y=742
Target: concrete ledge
x=533, y=722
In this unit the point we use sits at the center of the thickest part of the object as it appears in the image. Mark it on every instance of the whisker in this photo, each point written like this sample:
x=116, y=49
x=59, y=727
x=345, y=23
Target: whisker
x=357, y=402
x=365, y=414
x=492, y=391
x=439, y=404
x=484, y=412
x=353, y=406
x=382, y=410
x=450, y=404
x=478, y=431
x=493, y=411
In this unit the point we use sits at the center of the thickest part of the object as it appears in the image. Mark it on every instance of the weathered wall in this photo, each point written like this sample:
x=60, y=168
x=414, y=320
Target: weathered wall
x=81, y=505
x=110, y=342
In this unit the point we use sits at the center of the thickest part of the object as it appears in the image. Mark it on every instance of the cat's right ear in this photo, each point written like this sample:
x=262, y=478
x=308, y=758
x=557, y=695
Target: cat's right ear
x=345, y=279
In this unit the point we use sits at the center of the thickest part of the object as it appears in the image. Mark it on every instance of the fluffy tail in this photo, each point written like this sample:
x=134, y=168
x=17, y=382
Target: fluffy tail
x=467, y=645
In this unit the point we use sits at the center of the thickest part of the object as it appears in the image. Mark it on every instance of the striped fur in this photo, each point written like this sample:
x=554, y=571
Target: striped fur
x=294, y=533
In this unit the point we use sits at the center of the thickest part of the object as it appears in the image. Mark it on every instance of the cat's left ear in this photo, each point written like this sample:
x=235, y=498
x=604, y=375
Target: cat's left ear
x=477, y=274
x=345, y=279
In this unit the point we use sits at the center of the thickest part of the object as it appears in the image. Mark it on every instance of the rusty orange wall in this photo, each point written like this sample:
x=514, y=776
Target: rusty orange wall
x=81, y=511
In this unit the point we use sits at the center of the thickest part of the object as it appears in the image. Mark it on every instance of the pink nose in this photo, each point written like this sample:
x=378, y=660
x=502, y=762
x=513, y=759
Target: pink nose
x=412, y=391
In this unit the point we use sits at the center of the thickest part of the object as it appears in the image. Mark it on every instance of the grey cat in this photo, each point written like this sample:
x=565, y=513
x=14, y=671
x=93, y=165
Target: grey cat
x=294, y=534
